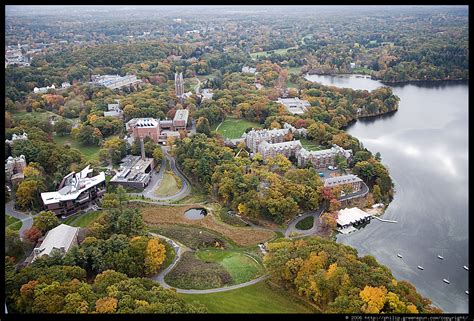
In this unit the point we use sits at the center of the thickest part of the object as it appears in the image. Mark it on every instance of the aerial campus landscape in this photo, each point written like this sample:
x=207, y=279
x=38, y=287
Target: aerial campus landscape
x=236, y=159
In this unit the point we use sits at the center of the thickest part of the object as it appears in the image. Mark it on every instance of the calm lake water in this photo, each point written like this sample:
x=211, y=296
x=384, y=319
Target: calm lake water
x=425, y=147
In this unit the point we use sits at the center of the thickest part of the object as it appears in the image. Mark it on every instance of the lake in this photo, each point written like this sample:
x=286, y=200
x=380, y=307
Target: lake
x=425, y=147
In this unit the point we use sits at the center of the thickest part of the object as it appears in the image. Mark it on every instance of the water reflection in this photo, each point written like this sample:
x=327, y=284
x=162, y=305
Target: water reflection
x=425, y=146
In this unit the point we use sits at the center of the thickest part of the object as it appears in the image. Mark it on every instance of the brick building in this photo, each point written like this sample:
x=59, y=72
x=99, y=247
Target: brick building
x=144, y=127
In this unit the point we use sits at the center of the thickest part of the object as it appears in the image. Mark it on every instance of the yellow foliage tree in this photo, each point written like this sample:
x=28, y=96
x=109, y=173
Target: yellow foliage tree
x=106, y=305
x=374, y=298
x=155, y=256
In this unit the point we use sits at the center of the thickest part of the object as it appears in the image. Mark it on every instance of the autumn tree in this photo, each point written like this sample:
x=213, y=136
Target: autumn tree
x=154, y=257
x=32, y=234
x=106, y=305
x=45, y=221
x=62, y=127
x=374, y=298
x=202, y=126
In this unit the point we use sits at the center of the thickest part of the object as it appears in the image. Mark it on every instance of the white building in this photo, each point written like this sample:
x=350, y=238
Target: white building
x=207, y=94
x=114, y=110
x=350, y=216
x=294, y=106
x=42, y=90
x=249, y=70
x=65, y=85
x=23, y=136
x=59, y=239
x=115, y=81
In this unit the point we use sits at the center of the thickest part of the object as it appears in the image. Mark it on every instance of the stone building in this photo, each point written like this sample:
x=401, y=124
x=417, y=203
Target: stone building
x=179, y=85
x=288, y=149
x=351, y=179
x=321, y=158
x=23, y=136
x=255, y=137
x=14, y=169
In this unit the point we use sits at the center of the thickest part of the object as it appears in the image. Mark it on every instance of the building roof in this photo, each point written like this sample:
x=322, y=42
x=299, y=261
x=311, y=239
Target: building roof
x=326, y=152
x=344, y=179
x=62, y=236
x=280, y=146
x=351, y=215
x=132, y=169
x=72, y=186
x=142, y=122
x=289, y=102
x=266, y=132
x=181, y=114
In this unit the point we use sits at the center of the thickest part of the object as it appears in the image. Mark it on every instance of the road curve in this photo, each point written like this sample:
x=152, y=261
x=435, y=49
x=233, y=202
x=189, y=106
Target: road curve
x=149, y=191
x=180, y=249
x=25, y=218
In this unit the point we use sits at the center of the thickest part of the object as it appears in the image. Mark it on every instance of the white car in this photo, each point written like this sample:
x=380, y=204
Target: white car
x=330, y=167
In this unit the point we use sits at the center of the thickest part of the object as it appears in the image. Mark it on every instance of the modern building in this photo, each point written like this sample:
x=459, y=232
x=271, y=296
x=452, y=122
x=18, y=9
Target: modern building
x=65, y=85
x=255, y=137
x=76, y=192
x=23, y=136
x=288, y=149
x=294, y=106
x=144, y=127
x=114, y=110
x=352, y=216
x=135, y=172
x=179, y=85
x=352, y=180
x=14, y=169
x=249, y=70
x=180, y=119
x=114, y=81
x=60, y=239
x=322, y=158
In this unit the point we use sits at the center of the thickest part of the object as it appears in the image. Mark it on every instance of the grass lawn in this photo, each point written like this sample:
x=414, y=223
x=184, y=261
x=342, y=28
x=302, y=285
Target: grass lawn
x=89, y=152
x=196, y=196
x=309, y=145
x=362, y=70
x=291, y=85
x=264, y=54
x=294, y=70
x=12, y=223
x=306, y=223
x=18, y=116
x=241, y=267
x=257, y=298
x=169, y=185
x=83, y=220
x=234, y=128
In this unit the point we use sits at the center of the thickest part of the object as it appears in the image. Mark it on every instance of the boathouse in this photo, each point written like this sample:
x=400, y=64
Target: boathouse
x=352, y=216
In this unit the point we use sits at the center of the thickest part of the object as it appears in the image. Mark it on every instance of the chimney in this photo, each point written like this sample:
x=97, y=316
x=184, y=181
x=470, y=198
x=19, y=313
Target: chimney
x=142, y=146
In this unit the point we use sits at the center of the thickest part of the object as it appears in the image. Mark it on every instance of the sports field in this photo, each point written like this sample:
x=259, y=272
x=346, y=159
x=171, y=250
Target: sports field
x=233, y=128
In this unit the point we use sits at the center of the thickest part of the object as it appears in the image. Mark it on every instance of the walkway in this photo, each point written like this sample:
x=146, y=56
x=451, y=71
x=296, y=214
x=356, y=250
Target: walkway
x=25, y=218
x=179, y=250
x=149, y=191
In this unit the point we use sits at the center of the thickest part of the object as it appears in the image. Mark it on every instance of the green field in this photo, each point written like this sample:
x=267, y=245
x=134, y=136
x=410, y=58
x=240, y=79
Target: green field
x=18, y=116
x=257, y=298
x=82, y=220
x=294, y=70
x=12, y=223
x=233, y=128
x=309, y=145
x=241, y=267
x=89, y=152
x=170, y=185
x=306, y=223
x=362, y=70
x=264, y=54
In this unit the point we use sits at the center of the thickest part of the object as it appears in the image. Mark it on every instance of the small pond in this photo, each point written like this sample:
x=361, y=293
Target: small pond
x=195, y=213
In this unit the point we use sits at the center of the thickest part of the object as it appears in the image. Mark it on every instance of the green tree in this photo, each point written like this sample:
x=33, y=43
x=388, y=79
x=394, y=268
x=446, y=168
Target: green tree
x=202, y=126
x=62, y=127
x=45, y=221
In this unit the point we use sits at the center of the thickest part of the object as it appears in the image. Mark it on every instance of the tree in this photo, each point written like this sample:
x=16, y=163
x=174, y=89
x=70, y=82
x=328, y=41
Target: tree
x=113, y=150
x=45, y=221
x=32, y=234
x=377, y=194
x=374, y=298
x=89, y=135
x=27, y=194
x=154, y=257
x=13, y=243
x=62, y=127
x=106, y=305
x=202, y=126
x=157, y=154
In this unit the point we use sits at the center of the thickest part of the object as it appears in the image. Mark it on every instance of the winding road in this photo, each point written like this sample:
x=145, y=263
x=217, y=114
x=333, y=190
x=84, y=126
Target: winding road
x=25, y=218
x=179, y=250
x=156, y=178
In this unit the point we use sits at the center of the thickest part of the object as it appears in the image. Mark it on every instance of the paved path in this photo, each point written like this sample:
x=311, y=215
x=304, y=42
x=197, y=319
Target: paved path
x=180, y=249
x=149, y=191
x=317, y=213
x=25, y=218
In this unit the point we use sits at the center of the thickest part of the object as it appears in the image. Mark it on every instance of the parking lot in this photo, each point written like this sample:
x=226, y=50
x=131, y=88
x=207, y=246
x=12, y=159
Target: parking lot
x=329, y=173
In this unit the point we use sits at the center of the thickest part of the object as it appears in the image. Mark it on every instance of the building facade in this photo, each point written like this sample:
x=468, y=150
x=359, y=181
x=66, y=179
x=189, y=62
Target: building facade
x=144, y=127
x=180, y=119
x=322, y=158
x=14, y=169
x=352, y=180
x=59, y=239
x=23, y=136
x=255, y=137
x=76, y=192
x=179, y=84
x=288, y=149
x=135, y=172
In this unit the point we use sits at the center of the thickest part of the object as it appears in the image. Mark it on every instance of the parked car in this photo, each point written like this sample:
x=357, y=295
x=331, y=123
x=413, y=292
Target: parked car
x=330, y=167
x=321, y=174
